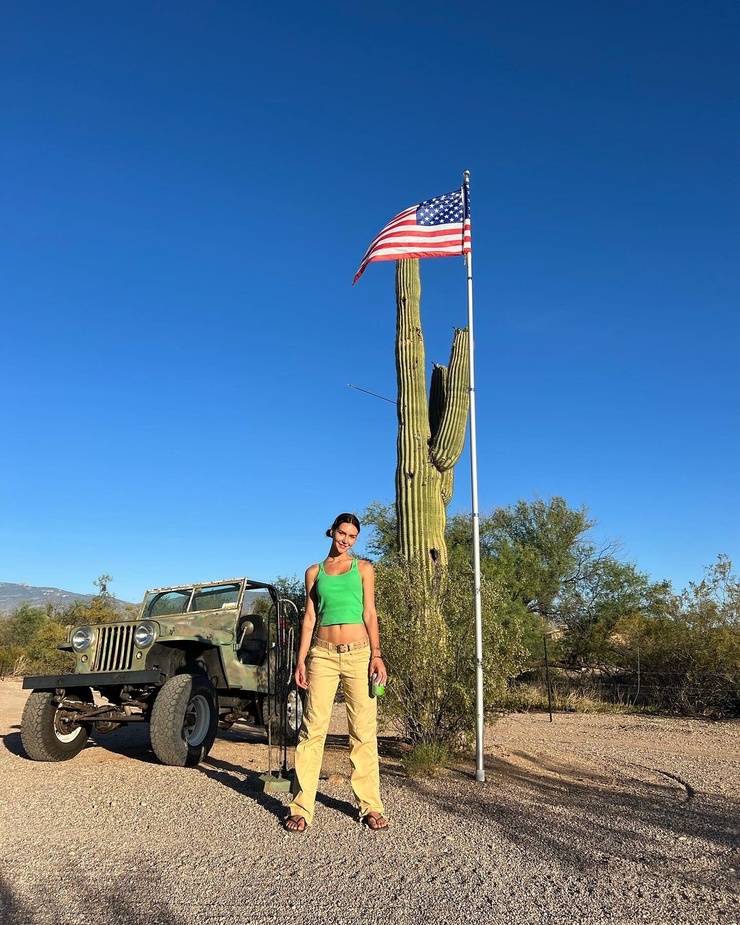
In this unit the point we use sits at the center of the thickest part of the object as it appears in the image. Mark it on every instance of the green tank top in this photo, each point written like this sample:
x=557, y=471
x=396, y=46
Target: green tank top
x=339, y=596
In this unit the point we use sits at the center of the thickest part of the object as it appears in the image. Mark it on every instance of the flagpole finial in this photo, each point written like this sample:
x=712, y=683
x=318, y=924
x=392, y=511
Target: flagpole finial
x=466, y=177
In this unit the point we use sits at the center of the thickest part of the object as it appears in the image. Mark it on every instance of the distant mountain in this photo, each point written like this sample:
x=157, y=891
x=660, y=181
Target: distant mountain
x=13, y=595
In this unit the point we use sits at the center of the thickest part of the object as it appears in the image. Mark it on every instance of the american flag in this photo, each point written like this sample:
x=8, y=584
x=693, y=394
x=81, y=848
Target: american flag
x=438, y=227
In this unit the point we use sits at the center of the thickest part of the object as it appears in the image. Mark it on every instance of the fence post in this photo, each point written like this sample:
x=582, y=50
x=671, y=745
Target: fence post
x=547, y=678
x=637, y=692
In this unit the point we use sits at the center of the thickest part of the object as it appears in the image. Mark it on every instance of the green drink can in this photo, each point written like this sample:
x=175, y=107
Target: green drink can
x=376, y=689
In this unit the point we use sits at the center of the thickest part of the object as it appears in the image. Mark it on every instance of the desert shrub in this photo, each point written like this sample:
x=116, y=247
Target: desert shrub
x=688, y=658
x=426, y=759
x=682, y=667
x=23, y=625
x=30, y=636
x=428, y=640
x=99, y=609
x=42, y=653
x=9, y=658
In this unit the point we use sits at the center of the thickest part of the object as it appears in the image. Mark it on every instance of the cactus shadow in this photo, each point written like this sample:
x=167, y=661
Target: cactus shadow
x=245, y=782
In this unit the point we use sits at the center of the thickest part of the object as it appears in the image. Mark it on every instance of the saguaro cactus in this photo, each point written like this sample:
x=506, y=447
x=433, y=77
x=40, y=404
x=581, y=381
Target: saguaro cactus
x=431, y=434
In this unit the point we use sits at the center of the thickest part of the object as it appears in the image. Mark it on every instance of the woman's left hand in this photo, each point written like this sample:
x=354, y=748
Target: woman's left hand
x=377, y=668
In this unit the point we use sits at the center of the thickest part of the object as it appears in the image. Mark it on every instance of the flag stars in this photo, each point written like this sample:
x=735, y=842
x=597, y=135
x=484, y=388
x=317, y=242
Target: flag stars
x=442, y=210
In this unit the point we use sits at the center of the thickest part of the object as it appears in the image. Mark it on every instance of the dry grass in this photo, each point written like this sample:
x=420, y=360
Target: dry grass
x=534, y=697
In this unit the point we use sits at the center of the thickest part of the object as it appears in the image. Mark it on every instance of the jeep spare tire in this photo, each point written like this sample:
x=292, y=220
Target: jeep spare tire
x=294, y=714
x=52, y=732
x=184, y=720
x=285, y=716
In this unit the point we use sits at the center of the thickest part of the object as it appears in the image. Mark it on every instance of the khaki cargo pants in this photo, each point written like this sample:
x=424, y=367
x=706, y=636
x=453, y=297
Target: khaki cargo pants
x=327, y=665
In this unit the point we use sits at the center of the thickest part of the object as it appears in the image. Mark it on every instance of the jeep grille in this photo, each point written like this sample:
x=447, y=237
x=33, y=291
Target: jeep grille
x=115, y=648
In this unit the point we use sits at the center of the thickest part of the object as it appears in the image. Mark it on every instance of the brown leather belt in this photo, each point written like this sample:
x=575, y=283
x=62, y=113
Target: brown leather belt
x=341, y=647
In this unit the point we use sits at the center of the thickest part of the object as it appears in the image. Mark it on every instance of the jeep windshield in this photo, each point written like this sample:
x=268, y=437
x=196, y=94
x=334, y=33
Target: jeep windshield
x=173, y=601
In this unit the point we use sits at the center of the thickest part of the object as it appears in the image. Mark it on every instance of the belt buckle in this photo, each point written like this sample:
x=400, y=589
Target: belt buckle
x=343, y=647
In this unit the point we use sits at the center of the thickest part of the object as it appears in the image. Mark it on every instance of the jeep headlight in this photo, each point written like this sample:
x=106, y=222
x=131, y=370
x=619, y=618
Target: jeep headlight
x=82, y=638
x=145, y=634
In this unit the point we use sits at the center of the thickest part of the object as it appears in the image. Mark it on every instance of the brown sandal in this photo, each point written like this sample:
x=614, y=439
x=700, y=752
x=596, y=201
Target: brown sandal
x=375, y=821
x=295, y=824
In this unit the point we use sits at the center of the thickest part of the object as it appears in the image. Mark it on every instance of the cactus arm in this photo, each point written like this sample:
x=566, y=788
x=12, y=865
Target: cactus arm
x=448, y=483
x=437, y=397
x=449, y=437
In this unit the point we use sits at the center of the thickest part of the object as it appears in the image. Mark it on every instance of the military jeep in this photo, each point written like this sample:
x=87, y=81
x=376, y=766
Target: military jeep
x=199, y=657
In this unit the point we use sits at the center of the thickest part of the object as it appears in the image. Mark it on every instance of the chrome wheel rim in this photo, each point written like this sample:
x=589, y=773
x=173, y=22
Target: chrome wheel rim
x=294, y=711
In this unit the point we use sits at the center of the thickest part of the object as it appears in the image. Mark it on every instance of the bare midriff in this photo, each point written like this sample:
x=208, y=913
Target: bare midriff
x=342, y=632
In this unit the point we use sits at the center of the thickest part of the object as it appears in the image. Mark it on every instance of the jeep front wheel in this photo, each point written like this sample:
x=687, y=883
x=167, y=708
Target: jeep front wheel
x=184, y=720
x=50, y=731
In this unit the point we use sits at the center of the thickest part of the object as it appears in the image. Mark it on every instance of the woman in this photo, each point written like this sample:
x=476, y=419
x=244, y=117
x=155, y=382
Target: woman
x=340, y=638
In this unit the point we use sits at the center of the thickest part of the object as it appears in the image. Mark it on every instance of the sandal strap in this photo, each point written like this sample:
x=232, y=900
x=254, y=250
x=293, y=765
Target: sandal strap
x=295, y=824
x=372, y=820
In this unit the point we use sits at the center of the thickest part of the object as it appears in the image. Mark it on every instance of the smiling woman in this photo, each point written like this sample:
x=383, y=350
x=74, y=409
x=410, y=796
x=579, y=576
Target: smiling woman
x=339, y=641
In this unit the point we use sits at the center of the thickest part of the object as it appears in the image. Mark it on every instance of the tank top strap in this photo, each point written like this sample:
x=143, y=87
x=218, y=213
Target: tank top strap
x=353, y=567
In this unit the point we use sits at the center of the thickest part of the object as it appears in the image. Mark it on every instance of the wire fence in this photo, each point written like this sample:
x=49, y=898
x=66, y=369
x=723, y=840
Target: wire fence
x=698, y=694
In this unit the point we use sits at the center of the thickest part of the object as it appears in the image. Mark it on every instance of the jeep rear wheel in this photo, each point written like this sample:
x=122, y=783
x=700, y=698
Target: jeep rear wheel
x=184, y=720
x=50, y=732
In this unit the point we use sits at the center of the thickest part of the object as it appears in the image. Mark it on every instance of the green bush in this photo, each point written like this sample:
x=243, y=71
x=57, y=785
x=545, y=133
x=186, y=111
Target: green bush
x=30, y=636
x=428, y=641
x=683, y=668
x=688, y=658
x=43, y=655
x=426, y=759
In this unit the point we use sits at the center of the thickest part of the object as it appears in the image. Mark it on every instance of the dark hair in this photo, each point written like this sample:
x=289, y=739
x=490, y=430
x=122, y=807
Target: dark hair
x=343, y=519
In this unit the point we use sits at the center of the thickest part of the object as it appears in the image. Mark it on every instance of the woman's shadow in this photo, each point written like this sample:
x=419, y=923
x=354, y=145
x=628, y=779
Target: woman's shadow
x=250, y=783
x=133, y=742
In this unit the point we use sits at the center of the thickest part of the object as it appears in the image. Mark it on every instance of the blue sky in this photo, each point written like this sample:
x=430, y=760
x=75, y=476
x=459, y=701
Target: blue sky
x=188, y=189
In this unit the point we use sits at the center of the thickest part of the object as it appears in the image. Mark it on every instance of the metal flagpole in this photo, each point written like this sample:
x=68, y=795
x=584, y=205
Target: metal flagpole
x=480, y=773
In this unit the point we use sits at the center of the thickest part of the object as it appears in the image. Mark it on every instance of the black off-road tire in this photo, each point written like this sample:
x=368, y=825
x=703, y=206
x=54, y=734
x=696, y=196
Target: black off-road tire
x=184, y=720
x=295, y=704
x=45, y=732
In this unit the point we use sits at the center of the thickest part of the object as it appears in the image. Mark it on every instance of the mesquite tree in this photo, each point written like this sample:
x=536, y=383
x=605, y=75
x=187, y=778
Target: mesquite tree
x=431, y=434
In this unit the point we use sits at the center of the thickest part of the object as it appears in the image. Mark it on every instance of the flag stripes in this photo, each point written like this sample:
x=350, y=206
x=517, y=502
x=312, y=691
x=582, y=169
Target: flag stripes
x=438, y=227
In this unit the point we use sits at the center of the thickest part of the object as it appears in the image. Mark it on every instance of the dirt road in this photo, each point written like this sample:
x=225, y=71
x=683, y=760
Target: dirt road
x=611, y=819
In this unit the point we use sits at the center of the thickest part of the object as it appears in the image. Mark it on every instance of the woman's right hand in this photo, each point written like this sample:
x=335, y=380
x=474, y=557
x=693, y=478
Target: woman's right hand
x=300, y=676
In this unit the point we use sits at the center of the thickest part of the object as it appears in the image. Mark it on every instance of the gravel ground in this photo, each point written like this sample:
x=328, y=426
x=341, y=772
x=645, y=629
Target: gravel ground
x=598, y=819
